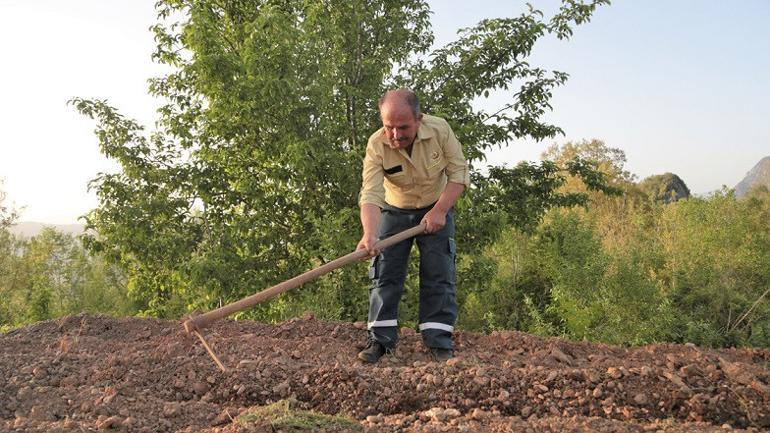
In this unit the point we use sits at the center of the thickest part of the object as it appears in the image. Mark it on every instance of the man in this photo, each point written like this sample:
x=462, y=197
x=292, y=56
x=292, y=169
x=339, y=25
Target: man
x=414, y=172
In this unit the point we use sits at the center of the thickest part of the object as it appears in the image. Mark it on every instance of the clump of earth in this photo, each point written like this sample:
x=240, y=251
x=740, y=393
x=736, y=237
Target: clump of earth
x=91, y=373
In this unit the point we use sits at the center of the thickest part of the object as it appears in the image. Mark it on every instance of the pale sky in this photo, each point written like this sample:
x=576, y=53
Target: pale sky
x=681, y=86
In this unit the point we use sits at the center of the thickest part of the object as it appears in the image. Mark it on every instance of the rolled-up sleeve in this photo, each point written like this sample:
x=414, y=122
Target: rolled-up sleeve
x=372, y=189
x=457, y=170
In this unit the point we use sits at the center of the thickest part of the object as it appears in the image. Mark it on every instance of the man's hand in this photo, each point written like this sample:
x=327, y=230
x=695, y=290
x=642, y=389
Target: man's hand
x=367, y=243
x=370, y=221
x=434, y=220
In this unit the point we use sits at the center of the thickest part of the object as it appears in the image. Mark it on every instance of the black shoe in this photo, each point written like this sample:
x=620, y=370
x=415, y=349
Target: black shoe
x=373, y=351
x=440, y=354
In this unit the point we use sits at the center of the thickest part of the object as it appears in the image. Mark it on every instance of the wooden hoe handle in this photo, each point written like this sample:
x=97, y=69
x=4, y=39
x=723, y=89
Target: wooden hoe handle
x=204, y=320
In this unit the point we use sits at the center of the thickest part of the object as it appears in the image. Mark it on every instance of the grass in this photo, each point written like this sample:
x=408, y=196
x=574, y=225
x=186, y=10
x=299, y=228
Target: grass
x=282, y=414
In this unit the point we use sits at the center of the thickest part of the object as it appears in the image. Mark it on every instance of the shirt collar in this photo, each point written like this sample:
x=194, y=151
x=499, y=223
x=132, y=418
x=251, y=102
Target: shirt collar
x=424, y=132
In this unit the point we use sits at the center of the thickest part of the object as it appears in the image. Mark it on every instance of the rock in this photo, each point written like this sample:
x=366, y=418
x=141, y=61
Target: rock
x=452, y=413
x=436, y=414
x=560, y=356
x=641, y=399
x=737, y=374
x=689, y=371
x=245, y=363
x=129, y=422
x=676, y=380
x=614, y=373
x=170, y=409
x=478, y=414
x=23, y=393
x=39, y=413
x=39, y=373
x=597, y=392
x=107, y=399
x=283, y=389
x=553, y=410
x=593, y=376
x=200, y=388
x=108, y=423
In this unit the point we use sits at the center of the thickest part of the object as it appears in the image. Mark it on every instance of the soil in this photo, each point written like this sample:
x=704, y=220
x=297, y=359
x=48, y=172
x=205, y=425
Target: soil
x=90, y=373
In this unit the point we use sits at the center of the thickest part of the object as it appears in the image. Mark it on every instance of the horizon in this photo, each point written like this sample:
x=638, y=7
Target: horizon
x=683, y=91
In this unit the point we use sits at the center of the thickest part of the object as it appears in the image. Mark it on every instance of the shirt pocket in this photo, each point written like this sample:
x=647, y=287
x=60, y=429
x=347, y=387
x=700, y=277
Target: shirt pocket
x=435, y=161
x=400, y=179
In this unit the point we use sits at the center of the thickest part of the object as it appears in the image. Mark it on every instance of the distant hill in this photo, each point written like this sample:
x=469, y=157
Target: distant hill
x=665, y=188
x=29, y=229
x=757, y=176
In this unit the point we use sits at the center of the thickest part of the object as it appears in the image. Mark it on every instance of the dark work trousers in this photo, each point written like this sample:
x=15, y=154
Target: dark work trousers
x=438, y=306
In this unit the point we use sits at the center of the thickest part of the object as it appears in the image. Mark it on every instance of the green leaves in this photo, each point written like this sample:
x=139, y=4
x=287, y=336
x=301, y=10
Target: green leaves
x=51, y=275
x=524, y=193
x=253, y=173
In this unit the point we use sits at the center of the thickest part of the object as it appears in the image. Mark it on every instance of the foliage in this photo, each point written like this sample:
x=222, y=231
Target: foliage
x=666, y=188
x=691, y=271
x=526, y=192
x=52, y=275
x=253, y=173
x=609, y=160
x=625, y=269
x=7, y=215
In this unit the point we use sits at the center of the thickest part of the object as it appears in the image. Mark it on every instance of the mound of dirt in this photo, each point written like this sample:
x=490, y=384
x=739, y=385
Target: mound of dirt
x=86, y=373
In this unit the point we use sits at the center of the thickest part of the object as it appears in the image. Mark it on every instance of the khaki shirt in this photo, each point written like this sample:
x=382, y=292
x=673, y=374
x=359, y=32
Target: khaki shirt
x=412, y=182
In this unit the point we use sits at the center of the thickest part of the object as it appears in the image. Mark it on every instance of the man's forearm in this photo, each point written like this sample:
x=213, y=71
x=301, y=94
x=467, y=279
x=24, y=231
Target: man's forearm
x=370, y=218
x=449, y=196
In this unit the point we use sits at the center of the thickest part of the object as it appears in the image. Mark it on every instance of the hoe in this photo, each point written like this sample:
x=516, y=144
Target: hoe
x=196, y=323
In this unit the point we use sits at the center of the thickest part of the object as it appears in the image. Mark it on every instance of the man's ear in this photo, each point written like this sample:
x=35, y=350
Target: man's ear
x=419, y=117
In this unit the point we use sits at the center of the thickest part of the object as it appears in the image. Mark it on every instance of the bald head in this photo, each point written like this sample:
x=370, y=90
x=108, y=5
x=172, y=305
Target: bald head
x=397, y=98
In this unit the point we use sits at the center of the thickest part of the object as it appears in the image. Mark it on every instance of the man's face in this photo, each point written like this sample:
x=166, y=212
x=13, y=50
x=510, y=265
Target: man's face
x=400, y=124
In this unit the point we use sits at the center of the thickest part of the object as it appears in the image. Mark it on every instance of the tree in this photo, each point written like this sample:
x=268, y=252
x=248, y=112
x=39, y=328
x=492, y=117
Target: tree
x=253, y=173
x=610, y=161
x=7, y=215
x=666, y=188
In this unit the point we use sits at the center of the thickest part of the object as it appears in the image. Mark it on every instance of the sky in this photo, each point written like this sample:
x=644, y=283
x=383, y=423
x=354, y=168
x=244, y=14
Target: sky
x=680, y=86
